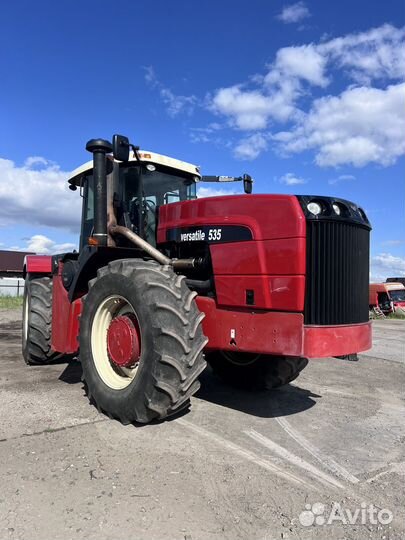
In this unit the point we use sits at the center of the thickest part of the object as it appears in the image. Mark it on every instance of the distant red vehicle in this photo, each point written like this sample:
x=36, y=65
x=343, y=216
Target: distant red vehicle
x=396, y=280
x=389, y=297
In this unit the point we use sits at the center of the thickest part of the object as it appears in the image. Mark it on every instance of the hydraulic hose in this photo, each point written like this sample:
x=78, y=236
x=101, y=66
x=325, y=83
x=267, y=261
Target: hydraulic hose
x=199, y=285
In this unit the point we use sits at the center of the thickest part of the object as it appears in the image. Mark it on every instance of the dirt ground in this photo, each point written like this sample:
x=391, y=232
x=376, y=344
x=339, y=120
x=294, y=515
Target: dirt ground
x=321, y=458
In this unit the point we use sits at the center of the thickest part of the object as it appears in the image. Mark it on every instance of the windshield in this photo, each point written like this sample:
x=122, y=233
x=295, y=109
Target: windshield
x=398, y=296
x=158, y=186
x=143, y=191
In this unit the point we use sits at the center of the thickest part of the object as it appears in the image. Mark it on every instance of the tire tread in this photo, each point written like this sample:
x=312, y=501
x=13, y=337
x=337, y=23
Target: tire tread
x=266, y=373
x=38, y=291
x=178, y=340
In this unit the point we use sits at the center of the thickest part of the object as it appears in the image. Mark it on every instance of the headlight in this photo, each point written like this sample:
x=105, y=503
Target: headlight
x=336, y=208
x=315, y=208
x=151, y=167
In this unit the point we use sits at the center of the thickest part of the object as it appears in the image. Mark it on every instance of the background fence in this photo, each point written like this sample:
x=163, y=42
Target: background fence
x=11, y=287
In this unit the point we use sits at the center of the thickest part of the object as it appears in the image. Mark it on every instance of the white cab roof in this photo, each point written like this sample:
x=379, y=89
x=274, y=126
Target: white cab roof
x=393, y=286
x=145, y=156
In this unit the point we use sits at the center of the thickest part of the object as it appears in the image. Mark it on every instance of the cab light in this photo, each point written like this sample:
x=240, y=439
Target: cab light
x=362, y=214
x=91, y=241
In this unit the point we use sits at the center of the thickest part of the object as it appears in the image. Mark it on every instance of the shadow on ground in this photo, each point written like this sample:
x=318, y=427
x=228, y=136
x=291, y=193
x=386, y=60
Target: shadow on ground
x=266, y=404
x=72, y=374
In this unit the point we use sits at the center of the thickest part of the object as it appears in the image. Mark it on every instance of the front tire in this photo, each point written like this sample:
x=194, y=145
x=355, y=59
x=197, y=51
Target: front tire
x=37, y=320
x=166, y=324
x=255, y=371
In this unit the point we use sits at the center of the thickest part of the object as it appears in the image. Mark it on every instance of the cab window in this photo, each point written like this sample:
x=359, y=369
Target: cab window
x=88, y=209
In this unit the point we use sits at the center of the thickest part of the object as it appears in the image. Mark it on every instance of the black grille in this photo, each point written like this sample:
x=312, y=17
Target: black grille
x=337, y=273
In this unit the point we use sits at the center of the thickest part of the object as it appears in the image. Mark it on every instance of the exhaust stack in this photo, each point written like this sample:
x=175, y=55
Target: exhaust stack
x=99, y=148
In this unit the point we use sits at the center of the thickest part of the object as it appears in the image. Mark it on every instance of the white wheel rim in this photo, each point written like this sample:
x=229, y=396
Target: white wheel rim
x=112, y=375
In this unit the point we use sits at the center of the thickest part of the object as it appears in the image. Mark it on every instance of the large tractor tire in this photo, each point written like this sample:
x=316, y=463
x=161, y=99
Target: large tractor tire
x=141, y=341
x=255, y=371
x=37, y=320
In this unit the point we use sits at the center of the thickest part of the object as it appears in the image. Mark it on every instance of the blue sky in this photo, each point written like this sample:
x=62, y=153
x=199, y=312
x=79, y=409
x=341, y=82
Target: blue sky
x=308, y=97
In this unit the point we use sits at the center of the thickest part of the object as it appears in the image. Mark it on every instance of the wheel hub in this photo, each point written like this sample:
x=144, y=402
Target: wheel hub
x=123, y=341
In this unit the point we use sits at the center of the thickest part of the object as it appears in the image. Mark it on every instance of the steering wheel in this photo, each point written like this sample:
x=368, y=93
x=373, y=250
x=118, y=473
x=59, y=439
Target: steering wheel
x=151, y=205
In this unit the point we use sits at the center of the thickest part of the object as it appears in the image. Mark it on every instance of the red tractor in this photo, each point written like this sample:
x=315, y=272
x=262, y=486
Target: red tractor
x=163, y=281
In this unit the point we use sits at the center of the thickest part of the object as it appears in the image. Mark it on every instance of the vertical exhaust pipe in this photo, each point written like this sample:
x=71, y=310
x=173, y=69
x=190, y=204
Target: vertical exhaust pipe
x=99, y=148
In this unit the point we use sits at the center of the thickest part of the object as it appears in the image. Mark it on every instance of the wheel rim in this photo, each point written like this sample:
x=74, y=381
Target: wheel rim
x=113, y=308
x=240, y=359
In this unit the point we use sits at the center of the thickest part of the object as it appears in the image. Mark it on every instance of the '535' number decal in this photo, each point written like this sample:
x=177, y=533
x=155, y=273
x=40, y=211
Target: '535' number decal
x=214, y=234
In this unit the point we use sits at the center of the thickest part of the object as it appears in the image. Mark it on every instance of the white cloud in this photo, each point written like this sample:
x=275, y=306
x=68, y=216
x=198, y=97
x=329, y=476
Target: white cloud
x=42, y=244
x=206, y=134
x=150, y=76
x=347, y=128
x=36, y=162
x=341, y=178
x=375, y=54
x=247, y=110
x=203, y=191
x=294, y=13
x=37, y=197
x=250, y=147
x=361, y=126
x=175, y=104
x=291, y=179
x=304, y=62
x=253, y=109
x=386, y=265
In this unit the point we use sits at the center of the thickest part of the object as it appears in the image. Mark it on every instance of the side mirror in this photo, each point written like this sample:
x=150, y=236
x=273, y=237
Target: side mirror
x=247, y=183
x=120, y=148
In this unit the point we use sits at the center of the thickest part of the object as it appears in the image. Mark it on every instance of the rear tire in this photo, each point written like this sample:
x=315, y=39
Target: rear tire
x=350, y=357
x=37, y=320
x=171, y=341
x=255, y=371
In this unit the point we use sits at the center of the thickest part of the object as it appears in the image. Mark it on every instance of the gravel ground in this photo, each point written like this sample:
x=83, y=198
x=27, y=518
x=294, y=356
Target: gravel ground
x=238, y=465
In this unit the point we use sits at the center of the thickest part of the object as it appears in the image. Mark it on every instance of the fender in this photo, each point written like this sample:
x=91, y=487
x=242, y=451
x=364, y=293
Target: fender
x=37, y=264
x=91, y=259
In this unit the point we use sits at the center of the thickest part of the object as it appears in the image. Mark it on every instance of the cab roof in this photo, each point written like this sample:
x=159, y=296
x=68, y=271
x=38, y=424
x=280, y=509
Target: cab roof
x=144, y=156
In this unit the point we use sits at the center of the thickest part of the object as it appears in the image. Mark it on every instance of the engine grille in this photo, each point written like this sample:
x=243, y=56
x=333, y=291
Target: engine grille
x=337, y=273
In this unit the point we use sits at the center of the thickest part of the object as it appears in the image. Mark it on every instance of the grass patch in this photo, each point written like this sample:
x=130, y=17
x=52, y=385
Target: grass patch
x=397, y=315
x=11, y=302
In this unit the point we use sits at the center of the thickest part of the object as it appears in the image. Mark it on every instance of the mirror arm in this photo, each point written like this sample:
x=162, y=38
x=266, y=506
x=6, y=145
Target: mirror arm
x=135, y=149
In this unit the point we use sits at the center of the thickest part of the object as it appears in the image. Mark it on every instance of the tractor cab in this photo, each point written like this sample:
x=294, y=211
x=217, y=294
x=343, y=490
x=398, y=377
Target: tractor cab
x=137, y=186
x=135, y=191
